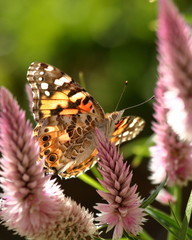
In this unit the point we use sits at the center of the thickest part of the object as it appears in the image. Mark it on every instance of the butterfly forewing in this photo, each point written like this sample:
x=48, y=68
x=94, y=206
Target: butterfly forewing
x=55, y=93
x=127, y=128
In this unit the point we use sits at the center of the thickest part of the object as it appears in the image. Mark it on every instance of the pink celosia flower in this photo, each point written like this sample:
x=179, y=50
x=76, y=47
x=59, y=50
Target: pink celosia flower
x=123, y=210
x=175, y=48
x=33, y=205
x=165, y=197
x=170, y=154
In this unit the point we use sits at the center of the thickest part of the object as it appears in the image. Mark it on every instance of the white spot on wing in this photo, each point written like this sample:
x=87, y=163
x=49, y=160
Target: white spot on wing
x=141, y=122
x=61, y=81
x=66, y=79
x=40, y=78
x=47, y=93
x=31, y=72
x=76, y=96
x=58, y=82
x=44, y=85
x=49, y=68
x=133, y=123
x=41, y=73
x=125, y=133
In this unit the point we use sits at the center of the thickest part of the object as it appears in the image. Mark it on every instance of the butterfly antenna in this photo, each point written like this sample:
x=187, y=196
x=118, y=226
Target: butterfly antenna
x=126, y=82
x=140, y=104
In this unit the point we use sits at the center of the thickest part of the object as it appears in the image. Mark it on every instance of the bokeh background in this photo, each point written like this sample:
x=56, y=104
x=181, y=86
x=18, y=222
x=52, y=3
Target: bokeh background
x=108, y=41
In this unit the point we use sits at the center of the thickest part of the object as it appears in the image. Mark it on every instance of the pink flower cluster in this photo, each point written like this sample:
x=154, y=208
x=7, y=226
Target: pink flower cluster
x=173, y=107
x=122, y=212
x=32, y=204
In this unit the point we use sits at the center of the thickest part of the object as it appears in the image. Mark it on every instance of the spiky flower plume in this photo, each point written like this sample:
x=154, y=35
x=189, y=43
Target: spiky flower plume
x=175, y=48
x=169, y=154
x=122, y=212
x=33, y=205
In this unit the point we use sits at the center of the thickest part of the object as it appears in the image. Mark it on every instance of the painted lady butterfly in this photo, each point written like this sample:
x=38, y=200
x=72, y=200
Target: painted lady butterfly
x=67, y=116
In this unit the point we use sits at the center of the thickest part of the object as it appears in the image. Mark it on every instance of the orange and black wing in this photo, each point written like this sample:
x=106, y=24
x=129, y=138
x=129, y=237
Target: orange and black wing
x=127, y=128
x=55, y=93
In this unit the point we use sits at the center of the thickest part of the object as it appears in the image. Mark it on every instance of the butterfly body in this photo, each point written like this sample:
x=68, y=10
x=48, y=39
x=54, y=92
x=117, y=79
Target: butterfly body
x=67, y=116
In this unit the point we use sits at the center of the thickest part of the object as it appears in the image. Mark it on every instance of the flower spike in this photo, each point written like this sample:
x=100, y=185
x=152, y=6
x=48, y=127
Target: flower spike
x=32, y=204
x=175, y=56
x=170, y=154
x=122, y=212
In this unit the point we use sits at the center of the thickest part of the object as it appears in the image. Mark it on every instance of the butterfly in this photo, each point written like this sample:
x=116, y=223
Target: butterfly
x=66, y=116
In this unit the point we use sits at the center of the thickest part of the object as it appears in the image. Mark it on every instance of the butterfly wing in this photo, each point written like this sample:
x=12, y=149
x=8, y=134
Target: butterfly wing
x=126, y=128
x=67, y=144
x=82, y=167
x=66, y=116
x=55, y=93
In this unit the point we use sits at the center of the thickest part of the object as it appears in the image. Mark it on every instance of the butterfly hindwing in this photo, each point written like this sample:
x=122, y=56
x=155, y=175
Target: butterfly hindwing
x=67, y=143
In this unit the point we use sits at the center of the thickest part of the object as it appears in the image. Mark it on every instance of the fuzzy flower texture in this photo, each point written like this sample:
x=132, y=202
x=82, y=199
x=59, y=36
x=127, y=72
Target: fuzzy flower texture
x=122, y=212
x=175, y=55
x=173, y=94
x=32, y=204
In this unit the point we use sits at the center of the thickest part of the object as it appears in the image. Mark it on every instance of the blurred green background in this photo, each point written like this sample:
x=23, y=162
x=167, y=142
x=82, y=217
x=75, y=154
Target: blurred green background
x=110, y=41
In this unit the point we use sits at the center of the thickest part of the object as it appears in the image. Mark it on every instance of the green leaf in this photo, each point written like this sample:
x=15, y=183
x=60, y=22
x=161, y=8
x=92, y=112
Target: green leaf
x=162, y=218
x=89, y=180
x=145, y=236
x=154, y=194
x=183, y=233
x=136, y=162
x=95, y=172
x=189, y=208
x=167, y=222
x=128, y=237
x=142, y=236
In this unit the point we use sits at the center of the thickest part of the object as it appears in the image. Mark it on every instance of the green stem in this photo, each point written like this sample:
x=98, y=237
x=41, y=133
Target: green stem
x=145, y=236
x=92, y=182
x=176, y=207
x=177, y=192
